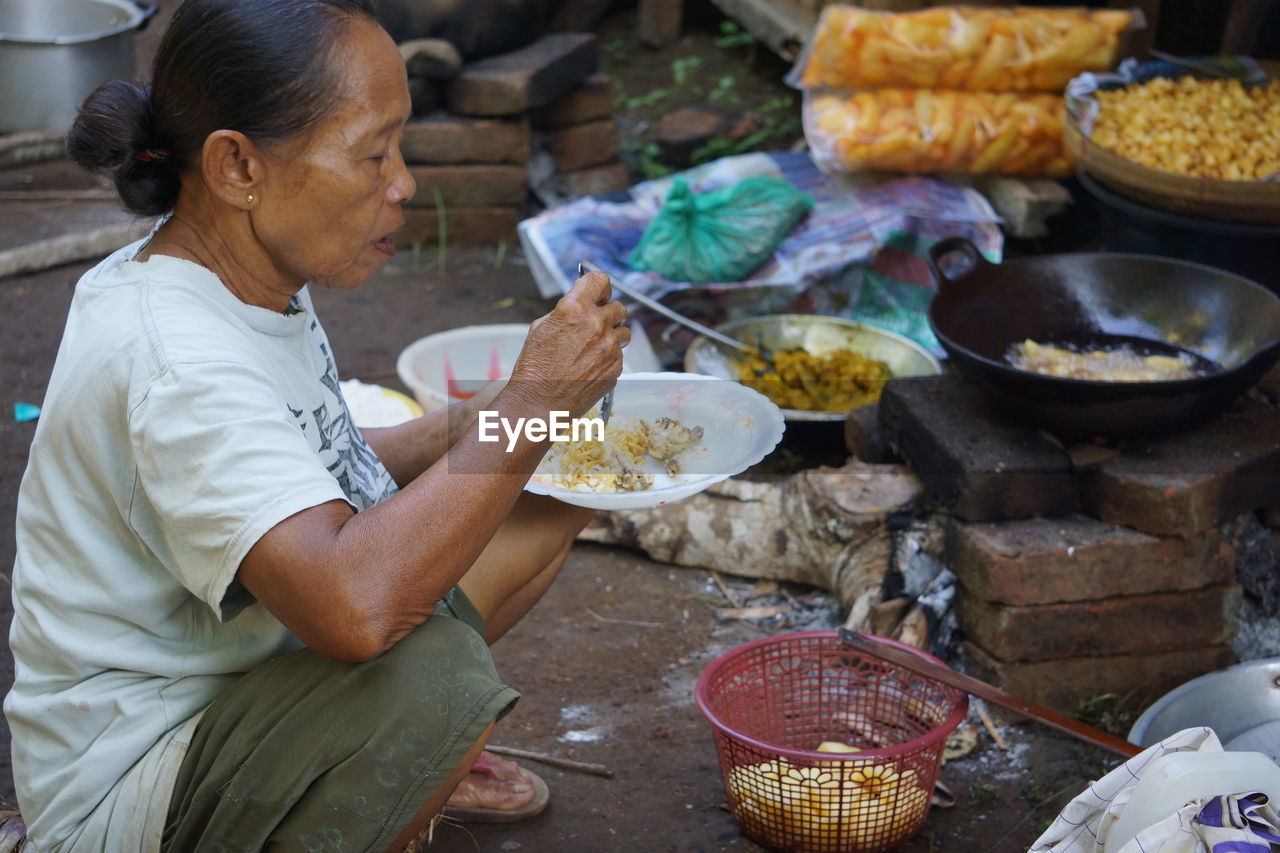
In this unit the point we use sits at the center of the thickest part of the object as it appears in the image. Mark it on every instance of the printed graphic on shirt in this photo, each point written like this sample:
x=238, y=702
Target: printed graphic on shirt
x=339, y=444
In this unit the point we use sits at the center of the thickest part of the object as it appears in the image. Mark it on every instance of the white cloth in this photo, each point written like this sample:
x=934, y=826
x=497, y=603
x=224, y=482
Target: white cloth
x=180, y=425
x=1223, y=824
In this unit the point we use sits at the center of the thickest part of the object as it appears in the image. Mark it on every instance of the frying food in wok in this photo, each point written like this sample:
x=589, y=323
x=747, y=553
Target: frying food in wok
x=1110, y=364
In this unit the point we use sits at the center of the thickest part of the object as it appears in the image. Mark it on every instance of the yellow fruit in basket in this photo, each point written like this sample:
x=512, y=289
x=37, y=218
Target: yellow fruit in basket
x=833, y=804
x=871, y=819
x=778, y=797
x=836, y=746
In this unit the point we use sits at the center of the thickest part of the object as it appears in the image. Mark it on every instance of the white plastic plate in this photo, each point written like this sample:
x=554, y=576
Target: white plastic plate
x=739, y=428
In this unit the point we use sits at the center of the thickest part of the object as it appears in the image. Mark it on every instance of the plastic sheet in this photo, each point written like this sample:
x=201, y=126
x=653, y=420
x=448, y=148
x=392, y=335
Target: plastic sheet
x=921, y=131
x=1018, y=49
x=858, y=254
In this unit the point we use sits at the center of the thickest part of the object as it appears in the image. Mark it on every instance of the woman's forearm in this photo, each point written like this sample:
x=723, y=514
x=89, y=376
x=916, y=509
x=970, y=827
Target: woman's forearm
x=411, y=448
x=351, y=584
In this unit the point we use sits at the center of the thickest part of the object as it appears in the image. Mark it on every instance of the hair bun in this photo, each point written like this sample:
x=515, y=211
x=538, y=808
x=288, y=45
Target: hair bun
x=115, y=131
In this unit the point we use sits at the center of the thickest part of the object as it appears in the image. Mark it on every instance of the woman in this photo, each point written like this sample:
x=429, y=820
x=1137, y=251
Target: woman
x=239, y=623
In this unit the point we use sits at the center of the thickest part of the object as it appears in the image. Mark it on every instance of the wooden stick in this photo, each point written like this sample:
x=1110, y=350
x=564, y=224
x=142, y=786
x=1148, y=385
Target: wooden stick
x=913, y=663
x=58, y=195
x=553, y=760
x=598, y=617
x=715, y=576
x=991, y=726
x=18, y=149
x=76, y=246
x=765, y=612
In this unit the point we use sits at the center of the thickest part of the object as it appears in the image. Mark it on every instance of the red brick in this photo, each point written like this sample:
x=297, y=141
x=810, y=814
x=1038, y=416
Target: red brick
x=1044, y=561
x=1064, y=684
x=532, y=76
x=584, y=145
x=979, y=466
x=464, y=226
x=595, y=180
x=1127, y=624
x=470, y=186
x=591, y=101
x=444, y=139
x=1190, y=481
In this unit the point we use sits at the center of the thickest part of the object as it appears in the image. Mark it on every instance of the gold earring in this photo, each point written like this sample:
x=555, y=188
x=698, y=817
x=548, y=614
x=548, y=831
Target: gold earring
x=249, y=198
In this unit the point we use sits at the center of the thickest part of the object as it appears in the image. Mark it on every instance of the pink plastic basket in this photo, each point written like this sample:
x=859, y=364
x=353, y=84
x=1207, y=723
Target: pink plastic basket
x=773, y=701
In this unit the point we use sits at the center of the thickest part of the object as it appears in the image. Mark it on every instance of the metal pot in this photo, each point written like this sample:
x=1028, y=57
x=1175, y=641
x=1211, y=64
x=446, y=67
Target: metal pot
x=53, y=53
x=1241, y=703
x=1098, y=300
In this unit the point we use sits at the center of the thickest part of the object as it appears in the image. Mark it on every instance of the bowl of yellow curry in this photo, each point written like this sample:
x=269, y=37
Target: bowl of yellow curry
x=815, y=368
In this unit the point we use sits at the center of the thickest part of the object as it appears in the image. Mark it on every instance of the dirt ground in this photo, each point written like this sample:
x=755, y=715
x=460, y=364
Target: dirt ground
x=607, y=662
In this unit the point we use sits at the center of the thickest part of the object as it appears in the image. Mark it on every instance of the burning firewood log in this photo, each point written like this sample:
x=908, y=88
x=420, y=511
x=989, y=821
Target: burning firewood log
x=826, y=527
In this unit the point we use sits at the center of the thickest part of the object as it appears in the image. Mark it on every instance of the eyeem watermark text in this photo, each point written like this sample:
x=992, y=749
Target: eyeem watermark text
x=560, y=427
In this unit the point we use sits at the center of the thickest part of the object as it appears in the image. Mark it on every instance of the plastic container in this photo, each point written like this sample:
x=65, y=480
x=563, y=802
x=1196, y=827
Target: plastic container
x=773, y=701
x=1171, y=781
x=449, y=366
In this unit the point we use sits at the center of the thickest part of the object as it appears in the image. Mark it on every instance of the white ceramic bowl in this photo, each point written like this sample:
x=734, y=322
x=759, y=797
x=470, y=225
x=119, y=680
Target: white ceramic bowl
x=471, y=355
x=740, y=427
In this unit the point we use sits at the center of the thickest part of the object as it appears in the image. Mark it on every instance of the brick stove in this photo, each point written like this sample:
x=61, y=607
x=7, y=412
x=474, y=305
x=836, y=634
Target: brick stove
x=1093, y=569
x=481, y=124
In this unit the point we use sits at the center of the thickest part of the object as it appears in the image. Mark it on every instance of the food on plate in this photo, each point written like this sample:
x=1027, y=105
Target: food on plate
x=1109, y=364
x=1017, y=49
x=617, y=464
x=837, y=381
x=666, y=438
x=846, y=800
x=920, y=130
x=1203, y=128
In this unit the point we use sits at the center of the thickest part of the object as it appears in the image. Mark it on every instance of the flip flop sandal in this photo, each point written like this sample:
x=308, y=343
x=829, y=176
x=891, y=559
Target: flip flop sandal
x=486, y=814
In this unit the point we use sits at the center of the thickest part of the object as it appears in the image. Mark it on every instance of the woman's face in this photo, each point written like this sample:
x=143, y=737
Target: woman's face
x=330, y=202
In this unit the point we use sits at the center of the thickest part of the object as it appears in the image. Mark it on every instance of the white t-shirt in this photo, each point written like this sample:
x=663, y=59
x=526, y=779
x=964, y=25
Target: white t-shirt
x=180, y=425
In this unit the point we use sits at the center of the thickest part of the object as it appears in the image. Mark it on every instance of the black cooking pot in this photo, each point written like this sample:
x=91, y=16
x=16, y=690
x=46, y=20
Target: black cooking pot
x=1091, y=301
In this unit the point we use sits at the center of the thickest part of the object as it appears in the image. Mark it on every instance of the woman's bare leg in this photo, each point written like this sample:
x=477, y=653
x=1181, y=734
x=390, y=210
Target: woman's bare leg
x=519, y=564
x=522, y=560
x=441, y=795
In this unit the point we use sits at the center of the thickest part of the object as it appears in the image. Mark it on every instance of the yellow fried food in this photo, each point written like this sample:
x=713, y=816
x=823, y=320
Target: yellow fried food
x=918, y=130
x=1202, y=128
x=836, y=382
x=1020, y=49
x=1114, y=364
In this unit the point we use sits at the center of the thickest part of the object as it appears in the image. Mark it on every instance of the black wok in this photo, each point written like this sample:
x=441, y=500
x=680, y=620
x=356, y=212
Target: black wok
x=1090, y=301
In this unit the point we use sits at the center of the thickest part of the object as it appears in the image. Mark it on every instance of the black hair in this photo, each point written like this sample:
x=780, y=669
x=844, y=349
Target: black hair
x=260, y=67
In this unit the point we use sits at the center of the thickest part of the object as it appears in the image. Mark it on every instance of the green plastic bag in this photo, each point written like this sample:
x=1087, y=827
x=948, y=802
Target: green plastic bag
x=722, y=235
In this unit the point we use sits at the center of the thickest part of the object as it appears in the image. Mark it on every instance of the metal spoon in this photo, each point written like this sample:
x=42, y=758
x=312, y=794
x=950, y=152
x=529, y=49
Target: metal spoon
x=606, y=402
x=707, y=331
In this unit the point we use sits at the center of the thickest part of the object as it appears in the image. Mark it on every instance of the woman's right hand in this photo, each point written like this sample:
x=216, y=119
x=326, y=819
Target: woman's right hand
x=573, y=355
